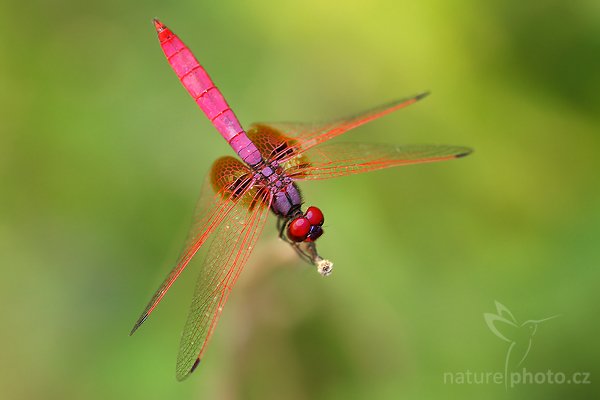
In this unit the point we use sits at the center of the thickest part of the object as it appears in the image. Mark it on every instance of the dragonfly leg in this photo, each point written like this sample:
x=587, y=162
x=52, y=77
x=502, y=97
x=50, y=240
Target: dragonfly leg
x=307, y=251
x=281, y=224
x=303, y=255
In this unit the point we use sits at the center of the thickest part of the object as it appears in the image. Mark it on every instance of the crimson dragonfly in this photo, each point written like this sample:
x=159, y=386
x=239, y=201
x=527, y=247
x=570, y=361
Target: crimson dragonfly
x=237, y=195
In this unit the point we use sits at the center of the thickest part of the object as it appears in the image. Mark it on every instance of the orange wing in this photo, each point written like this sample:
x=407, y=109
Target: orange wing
x=233, y=242
x=339, y=159
x=229, y=181
x=299, y=137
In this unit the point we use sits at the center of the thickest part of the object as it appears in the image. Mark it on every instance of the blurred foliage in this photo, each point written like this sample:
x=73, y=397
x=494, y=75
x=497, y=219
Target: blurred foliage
x=102, y=154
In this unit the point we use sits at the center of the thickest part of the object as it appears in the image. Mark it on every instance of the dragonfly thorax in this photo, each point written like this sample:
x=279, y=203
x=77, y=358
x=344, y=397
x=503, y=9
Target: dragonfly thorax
x=286, y=200
x=287, y=203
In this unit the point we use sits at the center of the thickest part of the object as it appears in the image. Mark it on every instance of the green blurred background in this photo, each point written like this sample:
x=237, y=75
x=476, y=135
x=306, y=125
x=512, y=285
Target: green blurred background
x=102, y=154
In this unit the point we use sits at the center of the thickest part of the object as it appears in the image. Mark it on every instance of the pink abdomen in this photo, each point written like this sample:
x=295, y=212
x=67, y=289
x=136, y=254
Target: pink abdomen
x=208, y=97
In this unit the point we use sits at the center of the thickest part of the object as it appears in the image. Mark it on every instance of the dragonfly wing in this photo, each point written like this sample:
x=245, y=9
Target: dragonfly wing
x=339, y=159
x=301, y=137
x=233, y=242
x=227, y=182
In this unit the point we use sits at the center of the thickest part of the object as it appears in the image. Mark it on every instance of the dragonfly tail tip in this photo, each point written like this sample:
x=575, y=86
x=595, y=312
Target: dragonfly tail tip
x=158, y=25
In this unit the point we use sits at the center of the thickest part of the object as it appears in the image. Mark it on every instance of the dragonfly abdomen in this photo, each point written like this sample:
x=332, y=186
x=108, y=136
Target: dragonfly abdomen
x=208, y=97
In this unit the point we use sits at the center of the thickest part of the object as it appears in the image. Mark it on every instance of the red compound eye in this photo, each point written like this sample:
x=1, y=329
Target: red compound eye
x=298, y=229
x=314, y=216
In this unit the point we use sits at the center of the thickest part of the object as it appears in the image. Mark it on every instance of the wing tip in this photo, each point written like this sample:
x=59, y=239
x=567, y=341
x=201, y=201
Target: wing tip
x=421, y=96
x=465, y=153
x=182, y=377
x=196, y=363
x=138, y=324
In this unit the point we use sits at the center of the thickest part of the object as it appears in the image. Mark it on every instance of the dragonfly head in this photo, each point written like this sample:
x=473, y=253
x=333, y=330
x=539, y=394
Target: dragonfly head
x=306, y=227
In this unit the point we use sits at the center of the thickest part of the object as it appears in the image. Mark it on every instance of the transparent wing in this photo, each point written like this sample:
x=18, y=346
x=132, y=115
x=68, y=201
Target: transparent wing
x=339, y=159
x=217, y=199
x=233, y=242
x=301, y=137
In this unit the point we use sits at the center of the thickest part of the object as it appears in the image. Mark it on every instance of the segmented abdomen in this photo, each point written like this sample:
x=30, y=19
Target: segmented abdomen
x=208, y=97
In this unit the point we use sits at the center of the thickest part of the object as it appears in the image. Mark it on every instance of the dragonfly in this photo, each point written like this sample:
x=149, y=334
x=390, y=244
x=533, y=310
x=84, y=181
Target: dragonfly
x=239, y=193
